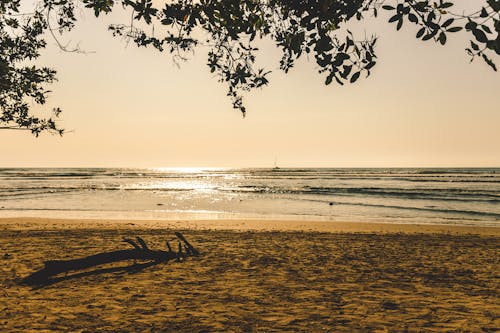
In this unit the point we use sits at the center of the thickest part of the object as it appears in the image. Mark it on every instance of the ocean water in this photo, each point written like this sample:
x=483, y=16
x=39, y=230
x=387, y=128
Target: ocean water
x=434, y=196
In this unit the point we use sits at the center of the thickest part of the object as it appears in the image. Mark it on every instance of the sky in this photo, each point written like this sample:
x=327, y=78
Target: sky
x=423, y=106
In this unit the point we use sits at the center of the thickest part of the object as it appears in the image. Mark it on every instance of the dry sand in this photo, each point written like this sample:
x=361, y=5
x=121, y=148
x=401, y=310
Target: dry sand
x=258, y=277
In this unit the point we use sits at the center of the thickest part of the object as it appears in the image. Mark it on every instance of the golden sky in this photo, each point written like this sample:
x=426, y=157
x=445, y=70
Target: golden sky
x=423, y=105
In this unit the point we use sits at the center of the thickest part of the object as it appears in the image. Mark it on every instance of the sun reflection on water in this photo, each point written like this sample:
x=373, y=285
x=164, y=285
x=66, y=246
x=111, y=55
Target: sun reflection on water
x=187, y=169
x=196, y=179
x=179, y=185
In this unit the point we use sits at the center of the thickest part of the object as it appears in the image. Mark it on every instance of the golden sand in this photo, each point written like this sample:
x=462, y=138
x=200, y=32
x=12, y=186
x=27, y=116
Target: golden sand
x=259, y=276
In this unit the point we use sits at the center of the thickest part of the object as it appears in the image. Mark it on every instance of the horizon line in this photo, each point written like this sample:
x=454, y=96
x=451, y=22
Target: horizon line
x=249, y=167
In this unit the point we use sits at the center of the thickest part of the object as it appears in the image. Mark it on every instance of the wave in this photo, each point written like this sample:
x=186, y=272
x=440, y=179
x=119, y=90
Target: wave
x=50, y=191
x=409, y=193
x=431, y=193
x=453, y=214
x=434, y=193
x=427, y=209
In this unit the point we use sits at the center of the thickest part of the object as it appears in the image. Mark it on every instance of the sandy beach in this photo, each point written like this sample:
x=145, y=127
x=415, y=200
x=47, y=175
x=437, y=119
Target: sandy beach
x=249, y=166
x=255, y=276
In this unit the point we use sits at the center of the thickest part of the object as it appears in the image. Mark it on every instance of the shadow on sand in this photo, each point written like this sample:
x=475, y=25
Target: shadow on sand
x=57, y=270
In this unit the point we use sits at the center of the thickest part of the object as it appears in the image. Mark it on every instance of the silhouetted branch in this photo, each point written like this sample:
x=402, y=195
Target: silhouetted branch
x=13, y=128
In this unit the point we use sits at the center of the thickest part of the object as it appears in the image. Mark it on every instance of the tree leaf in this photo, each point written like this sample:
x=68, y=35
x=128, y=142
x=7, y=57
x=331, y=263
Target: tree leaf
x=420, y=32
x=329, y=79
x=480, y=35
x=489, y=62
x=394, y=18
x=442, y=38
x=400, y=24
x=447, y=22
x=355, y=77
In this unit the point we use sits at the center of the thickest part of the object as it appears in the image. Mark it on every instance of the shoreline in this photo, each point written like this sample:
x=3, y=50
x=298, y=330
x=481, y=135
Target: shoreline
x=32, y=223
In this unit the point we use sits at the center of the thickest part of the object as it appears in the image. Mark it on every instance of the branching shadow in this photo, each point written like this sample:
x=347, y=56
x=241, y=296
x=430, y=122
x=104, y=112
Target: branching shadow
x=43, y=282
x=57, y=270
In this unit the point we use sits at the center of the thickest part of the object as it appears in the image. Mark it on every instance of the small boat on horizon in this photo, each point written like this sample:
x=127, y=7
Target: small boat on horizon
x=276, y=167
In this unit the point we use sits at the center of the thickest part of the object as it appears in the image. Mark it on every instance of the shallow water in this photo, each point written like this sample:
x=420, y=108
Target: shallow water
x=438, y=196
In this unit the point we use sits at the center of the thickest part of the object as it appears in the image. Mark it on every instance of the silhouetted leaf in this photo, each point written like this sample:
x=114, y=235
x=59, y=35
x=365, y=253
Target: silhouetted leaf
x=486, y=28
x=354, y=77
x=442, y=38
x=484, y=13
x=394, y=18
x=400, y=24
x=489, y=62
x=427, y=36
x=329, y=79
x=447, y=22
x=420, y=32
x=470, y=25
x=346, y=72
x=480, y=35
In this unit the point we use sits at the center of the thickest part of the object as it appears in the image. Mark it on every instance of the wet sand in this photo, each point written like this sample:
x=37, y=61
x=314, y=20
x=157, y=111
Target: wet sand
x=256, y=276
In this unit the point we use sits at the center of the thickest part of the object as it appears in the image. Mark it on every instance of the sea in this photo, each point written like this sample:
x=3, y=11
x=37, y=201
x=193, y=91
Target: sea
x=461, y=196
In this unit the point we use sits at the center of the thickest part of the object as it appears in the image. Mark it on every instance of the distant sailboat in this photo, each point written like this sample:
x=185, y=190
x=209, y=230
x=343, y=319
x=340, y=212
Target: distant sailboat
x=276, y=167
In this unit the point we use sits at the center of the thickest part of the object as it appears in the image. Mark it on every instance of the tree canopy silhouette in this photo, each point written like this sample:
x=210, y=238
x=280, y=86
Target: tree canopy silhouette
x=229, y=29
